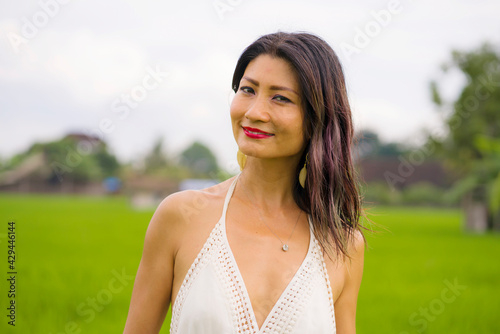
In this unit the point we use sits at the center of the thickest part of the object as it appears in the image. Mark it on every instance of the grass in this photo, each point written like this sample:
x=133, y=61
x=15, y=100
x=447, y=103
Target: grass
x=409, y=268
x=71, y=249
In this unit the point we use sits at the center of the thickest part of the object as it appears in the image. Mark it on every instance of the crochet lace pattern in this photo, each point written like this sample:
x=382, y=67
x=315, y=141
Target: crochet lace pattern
x=287, y=309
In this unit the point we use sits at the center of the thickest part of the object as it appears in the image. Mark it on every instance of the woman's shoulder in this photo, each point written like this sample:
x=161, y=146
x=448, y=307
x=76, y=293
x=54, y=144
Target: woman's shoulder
x=355, y=251
x=357, y=244
x=186, y=216
x=184, y=206
x=347, y=270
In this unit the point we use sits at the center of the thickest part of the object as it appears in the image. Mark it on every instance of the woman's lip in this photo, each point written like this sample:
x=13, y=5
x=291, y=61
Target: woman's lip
x=257, y=130
x=256, y=133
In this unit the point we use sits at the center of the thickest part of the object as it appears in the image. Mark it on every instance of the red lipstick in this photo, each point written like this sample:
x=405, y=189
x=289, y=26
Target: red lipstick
x=256, y=133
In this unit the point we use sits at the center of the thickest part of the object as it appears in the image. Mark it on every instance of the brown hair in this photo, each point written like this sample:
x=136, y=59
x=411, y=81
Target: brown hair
x=331, y=194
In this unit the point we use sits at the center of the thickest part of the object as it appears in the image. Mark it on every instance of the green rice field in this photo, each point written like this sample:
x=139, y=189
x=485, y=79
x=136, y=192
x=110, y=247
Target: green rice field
x=76, y=258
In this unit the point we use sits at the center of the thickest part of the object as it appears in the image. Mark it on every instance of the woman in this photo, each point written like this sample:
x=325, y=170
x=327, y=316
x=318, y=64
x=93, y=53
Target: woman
x=277, y=248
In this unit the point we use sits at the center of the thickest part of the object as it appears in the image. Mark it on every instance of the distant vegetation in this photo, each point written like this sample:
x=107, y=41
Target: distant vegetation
x=471, y=147
x=468, y=150
x=459, y=166
x=80, y=158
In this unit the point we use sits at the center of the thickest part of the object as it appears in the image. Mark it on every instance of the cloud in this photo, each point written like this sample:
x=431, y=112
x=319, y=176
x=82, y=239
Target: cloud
x=92, y=52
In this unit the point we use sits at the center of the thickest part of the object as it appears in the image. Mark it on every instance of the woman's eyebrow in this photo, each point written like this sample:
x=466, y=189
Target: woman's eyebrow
x=274, y=87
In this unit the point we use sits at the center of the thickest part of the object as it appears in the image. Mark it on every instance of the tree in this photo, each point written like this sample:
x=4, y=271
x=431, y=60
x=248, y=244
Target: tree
x=107, y=162
x=66, y=162
x=368, y=144
x=200, y=160
x=471, y=148
x=156, y=160
x=71, y=159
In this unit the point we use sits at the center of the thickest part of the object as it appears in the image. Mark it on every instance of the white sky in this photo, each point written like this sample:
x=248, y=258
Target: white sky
x=66, y=68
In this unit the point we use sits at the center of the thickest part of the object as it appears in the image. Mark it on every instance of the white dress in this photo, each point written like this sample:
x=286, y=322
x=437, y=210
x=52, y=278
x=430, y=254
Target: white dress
x=213, y=298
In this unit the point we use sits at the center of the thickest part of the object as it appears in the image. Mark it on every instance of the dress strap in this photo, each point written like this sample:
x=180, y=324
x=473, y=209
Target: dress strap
x=229, y=195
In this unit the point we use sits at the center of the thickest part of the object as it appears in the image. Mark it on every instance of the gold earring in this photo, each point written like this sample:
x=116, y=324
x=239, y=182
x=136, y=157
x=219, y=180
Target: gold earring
x=242, y=159
x=303, y=172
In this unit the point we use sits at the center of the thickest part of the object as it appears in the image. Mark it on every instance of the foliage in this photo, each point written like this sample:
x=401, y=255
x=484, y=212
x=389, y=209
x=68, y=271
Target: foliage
x=156, y=159
x=380, y=193
x=196, y=161
x=16, y=160
x=77, y=162
x=471, y=148
x=107, y=162
x=423, y=193
x=200, y=160
x=368, y=144
x=69, y=159
x=418, y=194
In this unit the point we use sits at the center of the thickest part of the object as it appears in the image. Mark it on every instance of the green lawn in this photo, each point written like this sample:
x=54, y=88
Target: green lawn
x=409, y=270
x=76, y=258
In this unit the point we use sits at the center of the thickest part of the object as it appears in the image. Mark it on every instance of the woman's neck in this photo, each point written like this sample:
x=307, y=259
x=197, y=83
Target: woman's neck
x=269, y=183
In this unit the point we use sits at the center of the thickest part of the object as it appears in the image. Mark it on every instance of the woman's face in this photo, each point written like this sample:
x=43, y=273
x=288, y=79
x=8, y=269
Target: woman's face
x=266, y=111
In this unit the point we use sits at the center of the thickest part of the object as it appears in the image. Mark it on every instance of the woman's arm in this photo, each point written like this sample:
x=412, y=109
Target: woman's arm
x=153, y=283
x=345, y=306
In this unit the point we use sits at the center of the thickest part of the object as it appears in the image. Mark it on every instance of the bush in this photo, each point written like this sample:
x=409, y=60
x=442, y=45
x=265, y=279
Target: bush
x=380, y=193
x=422, y=193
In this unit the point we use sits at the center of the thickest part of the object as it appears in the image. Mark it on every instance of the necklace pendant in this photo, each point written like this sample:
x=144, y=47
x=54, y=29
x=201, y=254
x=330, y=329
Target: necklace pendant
x=285, y=247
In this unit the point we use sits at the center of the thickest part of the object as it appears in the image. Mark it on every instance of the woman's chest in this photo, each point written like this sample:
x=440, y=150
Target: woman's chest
x=258, y=285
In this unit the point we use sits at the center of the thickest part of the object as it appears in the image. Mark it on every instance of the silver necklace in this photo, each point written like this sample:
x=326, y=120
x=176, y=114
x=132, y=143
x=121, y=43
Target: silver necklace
x=284, y=245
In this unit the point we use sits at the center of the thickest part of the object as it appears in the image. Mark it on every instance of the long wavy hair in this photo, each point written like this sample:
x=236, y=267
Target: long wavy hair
x=330, y=196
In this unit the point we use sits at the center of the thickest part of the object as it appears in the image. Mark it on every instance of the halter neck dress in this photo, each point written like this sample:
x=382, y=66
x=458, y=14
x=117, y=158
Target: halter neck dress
x=213, y=298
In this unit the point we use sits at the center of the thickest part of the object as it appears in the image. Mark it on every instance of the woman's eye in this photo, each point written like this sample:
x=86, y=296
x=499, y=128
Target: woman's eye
x=281, y=98
x=246, y=89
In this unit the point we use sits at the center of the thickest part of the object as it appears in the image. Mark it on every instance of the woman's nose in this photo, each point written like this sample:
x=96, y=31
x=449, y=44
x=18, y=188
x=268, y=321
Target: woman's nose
x=258, y=110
